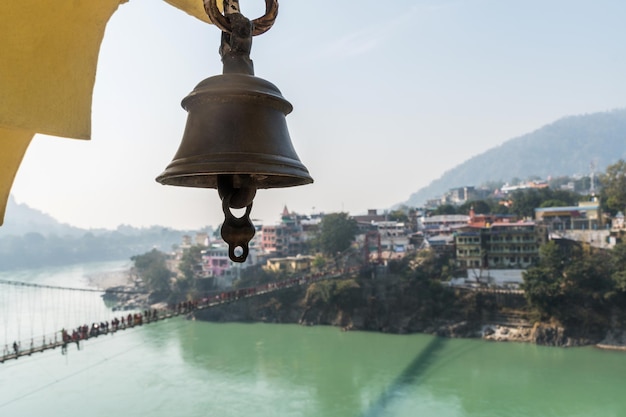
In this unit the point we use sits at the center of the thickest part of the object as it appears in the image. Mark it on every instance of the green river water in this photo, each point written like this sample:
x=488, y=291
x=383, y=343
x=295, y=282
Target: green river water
x=190, y=368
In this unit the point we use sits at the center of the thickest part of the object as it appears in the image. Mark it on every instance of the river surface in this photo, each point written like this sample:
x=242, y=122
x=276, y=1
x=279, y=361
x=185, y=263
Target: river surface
x=179, y=368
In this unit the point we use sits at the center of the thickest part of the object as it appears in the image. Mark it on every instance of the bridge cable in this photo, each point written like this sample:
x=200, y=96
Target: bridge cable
x=80, y=371
x=4, y=304
x=30, y=284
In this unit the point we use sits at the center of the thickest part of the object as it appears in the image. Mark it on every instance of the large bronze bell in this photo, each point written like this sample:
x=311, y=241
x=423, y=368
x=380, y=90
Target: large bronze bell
x=236, y=125
x=236, y=137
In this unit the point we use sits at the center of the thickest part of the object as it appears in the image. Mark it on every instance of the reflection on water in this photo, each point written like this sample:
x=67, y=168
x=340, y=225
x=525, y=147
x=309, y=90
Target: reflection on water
x=373, y=374
x=407, y=380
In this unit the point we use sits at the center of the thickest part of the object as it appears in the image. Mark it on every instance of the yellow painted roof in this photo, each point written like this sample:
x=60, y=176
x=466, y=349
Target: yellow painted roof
x=48, y=59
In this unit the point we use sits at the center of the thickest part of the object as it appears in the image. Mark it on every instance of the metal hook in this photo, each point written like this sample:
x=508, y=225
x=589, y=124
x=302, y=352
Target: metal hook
x=259, y=25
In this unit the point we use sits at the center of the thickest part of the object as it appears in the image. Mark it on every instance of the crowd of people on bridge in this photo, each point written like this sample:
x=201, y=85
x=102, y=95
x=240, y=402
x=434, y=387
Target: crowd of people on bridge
x=104, y=327
x=85, y=331
x=272, y=286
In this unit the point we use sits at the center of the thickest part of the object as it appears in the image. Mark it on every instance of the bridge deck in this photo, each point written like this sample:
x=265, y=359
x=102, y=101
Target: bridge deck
x=189, y=307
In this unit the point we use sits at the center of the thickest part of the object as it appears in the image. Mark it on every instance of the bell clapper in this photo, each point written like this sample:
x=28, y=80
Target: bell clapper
x=236, y=231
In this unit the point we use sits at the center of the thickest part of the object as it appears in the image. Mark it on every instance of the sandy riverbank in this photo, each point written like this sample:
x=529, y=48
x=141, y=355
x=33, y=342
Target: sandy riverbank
x=121, y=280
x=110, y=279
x=611, y=347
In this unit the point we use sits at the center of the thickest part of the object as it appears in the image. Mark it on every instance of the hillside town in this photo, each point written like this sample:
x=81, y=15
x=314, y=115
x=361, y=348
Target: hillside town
x=489, y=250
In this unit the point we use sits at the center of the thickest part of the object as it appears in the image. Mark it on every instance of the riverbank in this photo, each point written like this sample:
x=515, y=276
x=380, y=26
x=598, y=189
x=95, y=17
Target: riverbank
x=122, y=290
x=361, y=305
x=353, y=304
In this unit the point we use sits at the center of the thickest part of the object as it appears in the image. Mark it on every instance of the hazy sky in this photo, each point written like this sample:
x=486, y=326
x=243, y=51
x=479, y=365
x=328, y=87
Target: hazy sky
x=387, y=96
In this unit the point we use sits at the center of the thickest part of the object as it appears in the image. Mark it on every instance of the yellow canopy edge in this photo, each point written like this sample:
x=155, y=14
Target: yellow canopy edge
x=193, y=7
x=48, y=63
x=48, y=59
x=13, y=144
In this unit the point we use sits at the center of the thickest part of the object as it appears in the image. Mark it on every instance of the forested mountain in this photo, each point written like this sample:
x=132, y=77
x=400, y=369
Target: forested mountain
x=30, y=238
x=566, y=147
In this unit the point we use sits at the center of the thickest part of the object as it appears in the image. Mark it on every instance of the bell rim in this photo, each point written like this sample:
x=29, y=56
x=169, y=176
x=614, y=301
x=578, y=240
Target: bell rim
x=205, y=166
x=209, y=180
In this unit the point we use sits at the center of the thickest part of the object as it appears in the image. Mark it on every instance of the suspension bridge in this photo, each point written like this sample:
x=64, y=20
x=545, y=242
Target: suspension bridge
x=115, y=322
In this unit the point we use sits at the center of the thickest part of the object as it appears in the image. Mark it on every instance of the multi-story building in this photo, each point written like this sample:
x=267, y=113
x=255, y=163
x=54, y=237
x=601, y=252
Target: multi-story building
x=512, y=245
x=469, y=248
x=459, y=195
x=394, y=236
x=281, y=240
x=442, y=224
x=269, y=237
x=215, y=261
x=584, y=216
x=217, y=264
x=499, y=246
x=286, y=238
x=498, y=254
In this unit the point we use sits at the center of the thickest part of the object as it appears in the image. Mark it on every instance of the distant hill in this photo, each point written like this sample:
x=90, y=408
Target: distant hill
x=30, y=238
x=565, y=147
x=21, y=219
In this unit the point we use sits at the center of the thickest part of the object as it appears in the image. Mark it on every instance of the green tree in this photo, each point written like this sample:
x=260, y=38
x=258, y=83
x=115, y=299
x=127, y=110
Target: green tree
x=613, y=181
x=572, y=286
x=553, y=203
x=398, y=216
x=542, y=289
x=526, y=201
x=618, y=264
x=191, y=262
x=336, y=233
x=543, y=284
x=587, y=286
x=256, y=275
x=444, y=209
x=152, y=268
x=479, y=206
x=319, y=263
x=190, y=267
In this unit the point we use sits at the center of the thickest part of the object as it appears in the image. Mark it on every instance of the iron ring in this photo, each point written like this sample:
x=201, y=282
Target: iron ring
x=259, y=25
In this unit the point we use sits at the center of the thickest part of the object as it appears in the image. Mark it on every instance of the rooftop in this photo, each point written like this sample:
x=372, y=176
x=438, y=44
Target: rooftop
x=567, y=208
